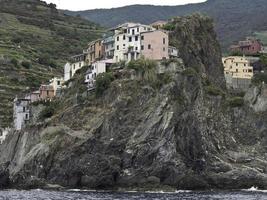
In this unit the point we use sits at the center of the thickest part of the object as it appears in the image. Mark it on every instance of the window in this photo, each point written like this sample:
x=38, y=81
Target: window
x=27, y=116
x=133, y=32
x=58, y=83
x=145, y=28
x=118, y=47
x=118, y=38
x=128, y=30
x=80, y=64
x=130, y=39
x=125, y=30
x=124, y=45
x=149, y=46
x=124, y=37
x=138, y=29
x=136, y=48
x=142, y=47
x=236, y=70
x=136, y=38
x=142, y=37
x=164, y=41
x=24, y=109
x=47, y=93
x=164, y=49
x=250, y=70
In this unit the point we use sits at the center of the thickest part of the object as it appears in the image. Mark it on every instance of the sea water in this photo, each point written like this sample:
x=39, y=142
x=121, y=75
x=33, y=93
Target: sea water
x=251, y=194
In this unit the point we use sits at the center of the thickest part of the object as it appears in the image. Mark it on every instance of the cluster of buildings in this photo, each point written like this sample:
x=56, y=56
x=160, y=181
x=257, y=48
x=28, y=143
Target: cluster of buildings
x=125, y=42
x=21, y=105
x=239, y=70
x=250, y=46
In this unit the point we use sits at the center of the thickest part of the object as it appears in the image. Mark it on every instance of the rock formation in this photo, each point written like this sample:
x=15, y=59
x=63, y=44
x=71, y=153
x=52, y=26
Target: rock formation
x=187, y=133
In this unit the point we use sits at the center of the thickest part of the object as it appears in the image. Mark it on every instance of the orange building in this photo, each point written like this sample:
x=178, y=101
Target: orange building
x=94, y=52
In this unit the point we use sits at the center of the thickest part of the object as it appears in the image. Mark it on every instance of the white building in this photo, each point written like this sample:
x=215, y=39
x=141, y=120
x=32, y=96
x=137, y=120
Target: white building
x=96, y=69
x=70, y=68
x=21, y=112
x=3, y=134
x=128, y=41
x=57, y=84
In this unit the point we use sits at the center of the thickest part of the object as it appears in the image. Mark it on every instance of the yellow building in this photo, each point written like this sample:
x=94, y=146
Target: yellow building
x=238, y=71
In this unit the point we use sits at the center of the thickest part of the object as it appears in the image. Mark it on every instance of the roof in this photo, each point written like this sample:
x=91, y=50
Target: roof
x=152, y=31
x=46, y=87
x=94, y=41
x=127, y=25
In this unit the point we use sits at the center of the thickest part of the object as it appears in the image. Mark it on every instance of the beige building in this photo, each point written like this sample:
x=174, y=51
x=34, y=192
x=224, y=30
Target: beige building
x=47, y=92
x=57, y=84
x=238, y=71
x=155, y=45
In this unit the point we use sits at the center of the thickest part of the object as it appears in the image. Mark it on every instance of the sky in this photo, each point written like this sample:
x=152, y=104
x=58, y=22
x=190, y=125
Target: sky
x=92, y=4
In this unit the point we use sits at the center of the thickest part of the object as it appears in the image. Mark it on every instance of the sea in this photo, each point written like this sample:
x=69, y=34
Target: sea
x=250, y=194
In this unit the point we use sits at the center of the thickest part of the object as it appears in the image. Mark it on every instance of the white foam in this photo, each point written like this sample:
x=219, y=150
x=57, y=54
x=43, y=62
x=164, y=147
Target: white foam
x=254, y=189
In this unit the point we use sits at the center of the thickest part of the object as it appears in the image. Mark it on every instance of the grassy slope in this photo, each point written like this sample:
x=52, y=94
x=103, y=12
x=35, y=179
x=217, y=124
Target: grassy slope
x=32, y=31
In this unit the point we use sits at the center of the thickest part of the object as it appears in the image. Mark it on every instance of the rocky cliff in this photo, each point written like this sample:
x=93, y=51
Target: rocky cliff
x=184, y=132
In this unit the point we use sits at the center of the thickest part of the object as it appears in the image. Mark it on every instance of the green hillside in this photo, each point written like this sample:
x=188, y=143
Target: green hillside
x=234, y=19
x=35, y=41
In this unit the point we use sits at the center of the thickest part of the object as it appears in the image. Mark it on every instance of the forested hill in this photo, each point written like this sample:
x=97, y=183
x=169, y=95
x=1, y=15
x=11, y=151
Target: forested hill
x=35, y=41
x=234, y=19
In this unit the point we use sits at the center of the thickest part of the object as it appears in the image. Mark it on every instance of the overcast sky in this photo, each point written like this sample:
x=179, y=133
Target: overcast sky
x=92, y=4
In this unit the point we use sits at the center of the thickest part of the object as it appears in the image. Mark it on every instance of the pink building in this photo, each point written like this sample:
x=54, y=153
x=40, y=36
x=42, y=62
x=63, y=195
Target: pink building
x=249, y=46
x=155, y=45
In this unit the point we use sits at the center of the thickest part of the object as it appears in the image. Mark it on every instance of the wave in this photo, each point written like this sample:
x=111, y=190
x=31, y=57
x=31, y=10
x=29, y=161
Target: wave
x=254, y=189
x=132, y=191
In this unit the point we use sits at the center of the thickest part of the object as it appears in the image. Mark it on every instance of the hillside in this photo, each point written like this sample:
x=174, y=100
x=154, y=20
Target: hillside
x=35, y=41
x=176, y=130
x=234, y=19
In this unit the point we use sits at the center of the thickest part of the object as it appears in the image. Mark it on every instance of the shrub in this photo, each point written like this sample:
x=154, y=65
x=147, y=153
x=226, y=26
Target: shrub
x=236, y=102
x=17, y=40
x=259, y=78
x=26, y=64
x=49, y=110
x=103, y=81
x=145, y=67
x=163, y=79
x=169, y=27
x=14, y=62
x=213, y=90
x=190, y=72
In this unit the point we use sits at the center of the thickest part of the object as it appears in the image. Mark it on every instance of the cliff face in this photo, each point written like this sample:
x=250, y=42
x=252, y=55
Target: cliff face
x=187, y=133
